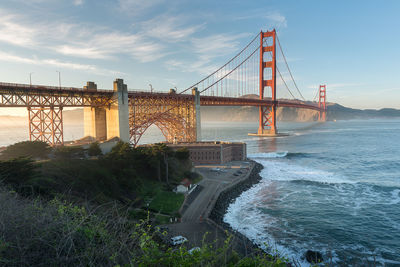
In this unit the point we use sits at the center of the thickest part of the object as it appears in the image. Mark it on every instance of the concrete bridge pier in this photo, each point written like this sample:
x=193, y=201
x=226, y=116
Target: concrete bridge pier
x=94, y=118
x=196, y=94
x=106, y=123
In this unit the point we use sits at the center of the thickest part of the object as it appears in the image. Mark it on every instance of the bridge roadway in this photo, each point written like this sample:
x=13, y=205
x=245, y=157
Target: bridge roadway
x=24, y=95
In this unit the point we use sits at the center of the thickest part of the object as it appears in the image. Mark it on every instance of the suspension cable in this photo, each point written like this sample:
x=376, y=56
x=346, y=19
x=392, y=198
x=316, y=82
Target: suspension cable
x=190, y=87
x=280, y=75
x=316, y=94
x=287, y=65
x=227, y=74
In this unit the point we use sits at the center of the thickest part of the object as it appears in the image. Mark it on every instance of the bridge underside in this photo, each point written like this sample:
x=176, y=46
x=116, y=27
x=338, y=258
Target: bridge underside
x=174, y=115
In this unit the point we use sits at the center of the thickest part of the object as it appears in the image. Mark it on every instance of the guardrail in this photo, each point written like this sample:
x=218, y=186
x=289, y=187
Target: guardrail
x=47, y=87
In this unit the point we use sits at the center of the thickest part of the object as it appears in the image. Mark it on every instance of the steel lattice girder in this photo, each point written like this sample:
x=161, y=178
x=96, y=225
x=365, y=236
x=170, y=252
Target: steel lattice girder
x=46, y=124
x=23, y=96
x=175, y=115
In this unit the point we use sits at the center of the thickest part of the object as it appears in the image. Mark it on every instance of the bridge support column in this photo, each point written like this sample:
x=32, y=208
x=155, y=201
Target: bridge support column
x=105, y=123
x=196, y=94
x=95, y=124
x=117, y=115
x=322, y=102
x=267, y=114
x=46, y=124
x=94, y=118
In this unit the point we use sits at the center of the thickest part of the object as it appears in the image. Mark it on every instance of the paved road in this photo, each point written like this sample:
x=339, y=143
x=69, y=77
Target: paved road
x=215, y=179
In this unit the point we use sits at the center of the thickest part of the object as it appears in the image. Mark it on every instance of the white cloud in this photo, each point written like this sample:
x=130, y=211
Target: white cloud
x=277, y=19
x=8, y=57
x=88, y=52
x=174, y=64
x=78, y=2
x=77, y=40
x=169, y=28
x=269, y=19
x=216, y=45
x=15, y=33
x=100, y=45
x=137, y=6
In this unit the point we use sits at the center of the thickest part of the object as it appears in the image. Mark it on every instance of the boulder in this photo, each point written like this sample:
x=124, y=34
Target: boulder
x=313, y=256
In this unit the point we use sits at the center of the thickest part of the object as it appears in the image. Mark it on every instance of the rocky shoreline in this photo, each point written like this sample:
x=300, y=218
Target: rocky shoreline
x=228, y=196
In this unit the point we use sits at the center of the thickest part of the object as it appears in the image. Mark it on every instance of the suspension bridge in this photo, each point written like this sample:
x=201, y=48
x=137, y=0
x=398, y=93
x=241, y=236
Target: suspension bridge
x=251, y=78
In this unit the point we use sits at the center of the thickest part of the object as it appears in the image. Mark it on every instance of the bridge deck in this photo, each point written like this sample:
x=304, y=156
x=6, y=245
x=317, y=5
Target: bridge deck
x=24, y=95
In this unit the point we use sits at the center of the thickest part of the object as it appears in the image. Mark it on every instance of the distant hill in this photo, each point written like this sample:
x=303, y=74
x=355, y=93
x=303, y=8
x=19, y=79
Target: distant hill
x=335, y=112
x=339, y=112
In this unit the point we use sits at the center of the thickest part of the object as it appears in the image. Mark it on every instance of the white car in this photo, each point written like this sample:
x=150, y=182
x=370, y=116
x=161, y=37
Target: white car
x=177, y=240
x=192, y=250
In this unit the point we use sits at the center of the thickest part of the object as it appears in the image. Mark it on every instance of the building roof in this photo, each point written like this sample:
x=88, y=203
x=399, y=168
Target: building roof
x=209, y=143
x=186, y=182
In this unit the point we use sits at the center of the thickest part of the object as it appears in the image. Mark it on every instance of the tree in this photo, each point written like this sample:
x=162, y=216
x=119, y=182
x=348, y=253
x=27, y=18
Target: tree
x=161, y=152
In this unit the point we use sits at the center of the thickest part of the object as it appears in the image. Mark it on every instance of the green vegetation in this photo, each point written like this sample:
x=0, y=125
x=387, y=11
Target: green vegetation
x=129, y=175
x=167, y=202
x=182, y=153
x=58, y=233
x=34, y=150
x=76, y=210
x=69, y=152
x=94, y=149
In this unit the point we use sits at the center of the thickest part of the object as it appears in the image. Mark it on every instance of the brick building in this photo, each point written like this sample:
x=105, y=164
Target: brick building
x=213, y=152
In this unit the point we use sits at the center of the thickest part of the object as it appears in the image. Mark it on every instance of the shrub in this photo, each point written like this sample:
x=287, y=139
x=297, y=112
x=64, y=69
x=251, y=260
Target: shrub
x=182, y=153
x=58, y=233
x=94, y=149
x=69, y=152
x=17, y=172
x=32, y=149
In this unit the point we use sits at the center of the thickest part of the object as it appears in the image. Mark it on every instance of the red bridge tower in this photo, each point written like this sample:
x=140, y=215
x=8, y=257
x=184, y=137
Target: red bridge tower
x=267, y=114
x=322, y=102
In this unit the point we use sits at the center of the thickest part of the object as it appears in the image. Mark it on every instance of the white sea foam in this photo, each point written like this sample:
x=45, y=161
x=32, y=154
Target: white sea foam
x=285, y=171
x=254, y=213
x=395, y=199
x=244, y=217
x=253, y=223
x=268, y=155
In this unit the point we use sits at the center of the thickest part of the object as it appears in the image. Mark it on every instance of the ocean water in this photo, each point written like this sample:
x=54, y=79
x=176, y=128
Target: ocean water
x=331, y=187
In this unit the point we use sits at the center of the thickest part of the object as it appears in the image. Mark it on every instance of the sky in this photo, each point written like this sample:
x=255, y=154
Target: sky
x=351, y=46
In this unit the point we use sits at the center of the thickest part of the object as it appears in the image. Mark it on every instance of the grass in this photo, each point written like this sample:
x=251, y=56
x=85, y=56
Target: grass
x=161, y=219
x=149, y=190
x=167, y=202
